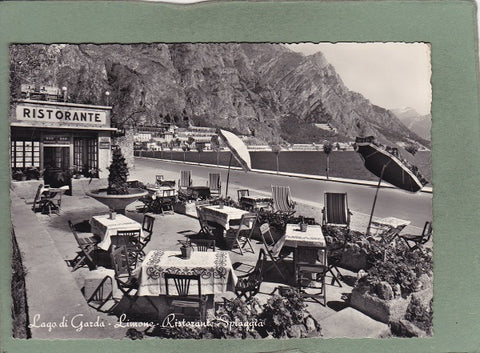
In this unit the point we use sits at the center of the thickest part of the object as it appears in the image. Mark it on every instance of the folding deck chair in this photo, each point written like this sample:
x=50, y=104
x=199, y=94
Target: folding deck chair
x=185, y=179
x=282, y=200
x=336, y=214
x=215, y=184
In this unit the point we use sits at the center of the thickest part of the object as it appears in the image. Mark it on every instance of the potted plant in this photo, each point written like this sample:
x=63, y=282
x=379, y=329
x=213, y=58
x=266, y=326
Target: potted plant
x=186, y=249
x=18, y=175
x=118, y=195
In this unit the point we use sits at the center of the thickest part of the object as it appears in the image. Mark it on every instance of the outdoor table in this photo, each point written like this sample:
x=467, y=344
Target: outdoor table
x=388, y=228
x=52, y=199
x=222, y=215
x=104, y=227
x=255, y=202
x=163, y=191
x=215, y=270
x=202, y=192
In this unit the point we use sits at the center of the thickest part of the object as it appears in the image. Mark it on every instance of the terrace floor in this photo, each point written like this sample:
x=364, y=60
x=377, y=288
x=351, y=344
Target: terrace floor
x=336, y=318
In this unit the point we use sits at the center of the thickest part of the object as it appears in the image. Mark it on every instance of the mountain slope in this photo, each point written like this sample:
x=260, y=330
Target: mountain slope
x=261, y=90
x=419, y=124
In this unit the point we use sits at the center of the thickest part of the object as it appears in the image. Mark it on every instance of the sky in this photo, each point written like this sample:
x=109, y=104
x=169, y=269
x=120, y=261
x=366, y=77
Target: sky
x=390, y=75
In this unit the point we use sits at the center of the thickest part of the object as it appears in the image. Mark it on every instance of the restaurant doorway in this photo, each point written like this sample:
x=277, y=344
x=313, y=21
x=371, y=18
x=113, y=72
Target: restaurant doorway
x=56, y=157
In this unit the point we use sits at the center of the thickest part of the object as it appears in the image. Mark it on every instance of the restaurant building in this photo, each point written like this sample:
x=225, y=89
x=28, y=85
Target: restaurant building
x=48, y=133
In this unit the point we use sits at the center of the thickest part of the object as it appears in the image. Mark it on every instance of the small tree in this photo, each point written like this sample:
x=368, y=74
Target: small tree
x=215, y=143
x=171, y=144
x=327, y=149
x=185, y=148
x=200, y=146
x=276, y=148
x=117, y=179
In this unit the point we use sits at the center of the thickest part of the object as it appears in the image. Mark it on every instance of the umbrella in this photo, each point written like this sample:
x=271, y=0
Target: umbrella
x=387, y=164
x=238, y=150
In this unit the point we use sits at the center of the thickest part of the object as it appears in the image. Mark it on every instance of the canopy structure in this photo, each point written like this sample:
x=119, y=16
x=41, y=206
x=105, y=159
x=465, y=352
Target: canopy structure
x=238, y=149
x=387, y=164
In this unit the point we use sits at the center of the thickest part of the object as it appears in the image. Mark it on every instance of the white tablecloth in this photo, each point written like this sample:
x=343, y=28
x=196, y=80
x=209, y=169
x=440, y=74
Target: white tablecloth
x=104, y=227
x=222, y=216
x=215, y=270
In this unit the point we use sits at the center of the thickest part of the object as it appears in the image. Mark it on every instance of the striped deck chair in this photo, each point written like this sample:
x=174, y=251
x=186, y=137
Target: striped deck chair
x=215, y=184
x=282, y=200
x=335, y=210
x=336, y=214
x=185, y=179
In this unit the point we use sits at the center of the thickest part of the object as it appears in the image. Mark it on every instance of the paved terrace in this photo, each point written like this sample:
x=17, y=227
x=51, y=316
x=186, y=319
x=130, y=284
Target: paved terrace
x=54, y=293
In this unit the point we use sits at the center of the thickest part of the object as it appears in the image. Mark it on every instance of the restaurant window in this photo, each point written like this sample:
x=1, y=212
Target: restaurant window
x=24, y=153
x=85, y=153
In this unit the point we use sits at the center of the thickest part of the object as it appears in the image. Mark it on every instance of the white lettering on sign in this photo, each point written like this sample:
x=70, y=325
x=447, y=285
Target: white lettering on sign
x=60, y=116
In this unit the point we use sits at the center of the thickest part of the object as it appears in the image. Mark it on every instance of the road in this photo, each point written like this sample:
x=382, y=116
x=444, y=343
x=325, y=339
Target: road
x=391, y=202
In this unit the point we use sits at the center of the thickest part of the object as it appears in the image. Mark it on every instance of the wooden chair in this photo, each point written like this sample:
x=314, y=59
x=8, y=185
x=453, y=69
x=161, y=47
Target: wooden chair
x=39, y=200
x=282, y=200
x=273, y=249
x=130, y=239
x=86, y=245
x=241, y=193
x=123, y=274
x=413, y=241
x=184, y=300
x=205, y=228
x=215, y=184
x=246, y=225
x=159, y=180
x=101, y=295
x=205, y=244
x=147, y=229
x=311, y=269
x=248, y=285
x=167, y=201
x=185, y=179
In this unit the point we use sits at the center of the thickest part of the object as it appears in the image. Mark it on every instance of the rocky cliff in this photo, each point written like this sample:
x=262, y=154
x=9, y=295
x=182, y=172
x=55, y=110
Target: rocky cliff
x=262, y=90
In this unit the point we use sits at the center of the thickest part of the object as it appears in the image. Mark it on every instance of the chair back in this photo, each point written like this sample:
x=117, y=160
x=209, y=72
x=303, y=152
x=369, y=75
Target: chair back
x=126, y=237
x=214, y=182
x=120, y=262
x=427, y=232
x=336, y=210
x=185, y=178
x=241, y=193
x=159, y=179
x=38, y=196
x=204, y=227
x=266, y=235
x=147, y=224
x=168, y=193
x=205, y=244
x=75, y=234
x=182, y=284
x=282, y=200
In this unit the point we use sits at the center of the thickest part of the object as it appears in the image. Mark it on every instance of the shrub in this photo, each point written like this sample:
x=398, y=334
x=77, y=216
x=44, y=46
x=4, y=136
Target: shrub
x=401, y=266
x=280, y=313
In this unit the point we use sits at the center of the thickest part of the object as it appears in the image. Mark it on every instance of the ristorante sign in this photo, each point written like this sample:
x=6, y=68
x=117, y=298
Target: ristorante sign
x=60, y=116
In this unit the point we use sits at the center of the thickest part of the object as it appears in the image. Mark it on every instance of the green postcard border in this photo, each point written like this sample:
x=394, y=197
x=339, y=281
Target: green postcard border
x=450, y=27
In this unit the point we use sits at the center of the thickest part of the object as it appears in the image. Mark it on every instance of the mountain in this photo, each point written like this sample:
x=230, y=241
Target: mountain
x=265, y=91
x=419, y=124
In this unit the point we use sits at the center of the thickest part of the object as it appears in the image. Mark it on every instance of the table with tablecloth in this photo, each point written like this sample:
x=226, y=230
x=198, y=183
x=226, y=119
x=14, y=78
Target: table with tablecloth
x=105, y=227
x=222, y=215
x=215, y=270
x=162, y=191
x=255, y=202
x=294, y=237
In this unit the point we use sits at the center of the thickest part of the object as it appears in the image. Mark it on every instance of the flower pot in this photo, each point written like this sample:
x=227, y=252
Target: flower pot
x=186, y=251
x=118, y=203
x=303, y=227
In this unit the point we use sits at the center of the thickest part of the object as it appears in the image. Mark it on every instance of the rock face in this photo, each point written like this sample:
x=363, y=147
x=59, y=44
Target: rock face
x=262, y=90
x=419, y=124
